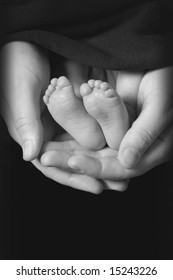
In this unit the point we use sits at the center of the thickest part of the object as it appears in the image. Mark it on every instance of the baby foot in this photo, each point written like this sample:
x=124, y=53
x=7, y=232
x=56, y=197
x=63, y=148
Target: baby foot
x=68, y=111
x=104, y=104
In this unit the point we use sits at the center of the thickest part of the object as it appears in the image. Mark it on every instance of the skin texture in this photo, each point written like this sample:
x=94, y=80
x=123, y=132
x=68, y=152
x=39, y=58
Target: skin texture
x=29, y=124
x=97, y=118
x=69, y=112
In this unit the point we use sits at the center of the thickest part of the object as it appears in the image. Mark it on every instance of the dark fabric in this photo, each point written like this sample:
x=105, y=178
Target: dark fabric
x=128, y=34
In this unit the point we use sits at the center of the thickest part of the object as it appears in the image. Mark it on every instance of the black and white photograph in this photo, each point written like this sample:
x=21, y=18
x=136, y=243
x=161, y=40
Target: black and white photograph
x=86, y=130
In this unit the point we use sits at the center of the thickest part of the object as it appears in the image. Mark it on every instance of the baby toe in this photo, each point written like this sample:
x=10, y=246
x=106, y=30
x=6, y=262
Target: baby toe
x=54, y=82
x=46, y=99
x=91, y=83
x=110, y=93
x=104, y=86
x=85, y=89
x=51, y=89
x=48, y=93
x=97, y=83
x=63, y=82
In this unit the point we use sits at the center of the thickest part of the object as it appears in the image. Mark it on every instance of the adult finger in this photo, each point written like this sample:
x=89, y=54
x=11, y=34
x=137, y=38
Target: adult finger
x=52, y=156
x=59, y=158
x=116, y=185
x=62, y=144
x=77, y=181
x=109, y=167
x=105, y=168
x=157, y=112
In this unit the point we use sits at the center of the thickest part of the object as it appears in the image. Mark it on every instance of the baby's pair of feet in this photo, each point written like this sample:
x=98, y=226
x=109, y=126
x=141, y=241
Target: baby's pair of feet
x=98, y=118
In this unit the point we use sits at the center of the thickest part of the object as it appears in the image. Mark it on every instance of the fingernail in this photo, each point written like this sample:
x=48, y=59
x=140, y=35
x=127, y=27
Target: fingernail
x=129, y=157
x=27, y=149
x=76, y=169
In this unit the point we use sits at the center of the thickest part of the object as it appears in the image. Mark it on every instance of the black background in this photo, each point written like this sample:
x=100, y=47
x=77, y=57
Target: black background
x=44, y=220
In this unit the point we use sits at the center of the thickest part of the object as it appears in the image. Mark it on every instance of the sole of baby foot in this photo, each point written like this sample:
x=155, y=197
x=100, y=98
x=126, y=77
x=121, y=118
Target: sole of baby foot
x=103, y=103
x=69, y=112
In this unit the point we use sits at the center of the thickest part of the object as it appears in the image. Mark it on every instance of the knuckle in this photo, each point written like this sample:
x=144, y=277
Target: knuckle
x=146, y=137
x=22, y=124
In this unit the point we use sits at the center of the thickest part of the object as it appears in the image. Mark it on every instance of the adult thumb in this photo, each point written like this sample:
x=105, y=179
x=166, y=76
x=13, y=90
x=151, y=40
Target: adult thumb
x=29, y=130
x=155, y=117
x=22, y=117
x=138, y=139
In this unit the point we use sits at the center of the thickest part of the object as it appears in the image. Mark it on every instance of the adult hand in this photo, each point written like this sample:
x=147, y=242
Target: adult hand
x=149, y=141
x=155, y=115
x=25, y=75
x=77, y=74
x=54, y=164
x=104, y=164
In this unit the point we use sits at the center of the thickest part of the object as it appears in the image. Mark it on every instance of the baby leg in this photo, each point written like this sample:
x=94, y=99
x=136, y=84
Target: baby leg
x=104, y=104
x=68, y=111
